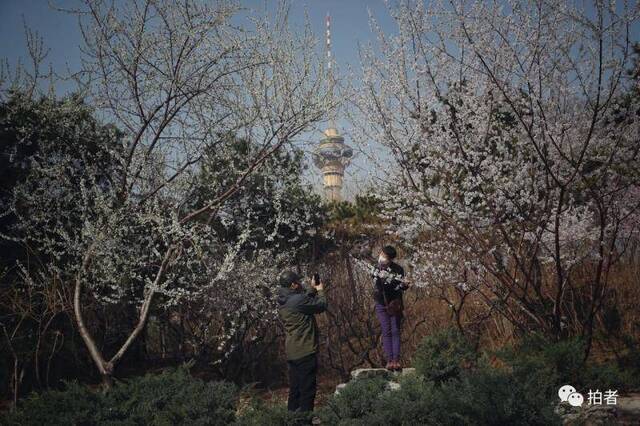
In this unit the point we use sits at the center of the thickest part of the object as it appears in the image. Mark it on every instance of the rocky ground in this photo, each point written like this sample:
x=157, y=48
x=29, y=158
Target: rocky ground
x=625, y=412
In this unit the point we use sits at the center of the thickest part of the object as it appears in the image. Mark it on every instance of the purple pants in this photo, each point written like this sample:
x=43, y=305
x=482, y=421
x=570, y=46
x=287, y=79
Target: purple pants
x=390, y=326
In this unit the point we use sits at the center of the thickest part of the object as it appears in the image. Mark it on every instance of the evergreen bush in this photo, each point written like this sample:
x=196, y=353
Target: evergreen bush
x=260, y=414
x=442, y=355
x=483, y=396
x=75, y=405
x=172, y=397
x=356, y=402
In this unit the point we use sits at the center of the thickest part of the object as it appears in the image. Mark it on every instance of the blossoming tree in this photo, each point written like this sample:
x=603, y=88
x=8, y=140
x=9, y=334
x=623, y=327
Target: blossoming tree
x=514, y=137
x=173, y=78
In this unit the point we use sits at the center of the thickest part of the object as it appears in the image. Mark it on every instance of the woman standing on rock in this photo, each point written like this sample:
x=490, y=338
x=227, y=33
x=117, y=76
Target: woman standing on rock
x=389, y=285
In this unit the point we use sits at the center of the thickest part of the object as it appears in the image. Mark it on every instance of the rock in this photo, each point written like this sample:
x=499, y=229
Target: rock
x=585, y=415
x=339, y=388
x=408, y=371
x=629, y=409
x=626, y=411
x=566, y=410
x=393, y=386
x=369, y=373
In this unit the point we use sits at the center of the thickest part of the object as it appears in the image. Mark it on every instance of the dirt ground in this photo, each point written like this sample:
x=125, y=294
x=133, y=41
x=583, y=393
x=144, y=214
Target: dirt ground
x=278, y=395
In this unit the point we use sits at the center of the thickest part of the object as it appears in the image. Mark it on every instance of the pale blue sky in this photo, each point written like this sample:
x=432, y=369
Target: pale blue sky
x=350, y=25
x=61, y=34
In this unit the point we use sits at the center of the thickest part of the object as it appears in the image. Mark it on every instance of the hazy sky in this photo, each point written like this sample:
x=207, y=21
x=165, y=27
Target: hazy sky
x=61, y=34
x=350, y=23
x=350, y=26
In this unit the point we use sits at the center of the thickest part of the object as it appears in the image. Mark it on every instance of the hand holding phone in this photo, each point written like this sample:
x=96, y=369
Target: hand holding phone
x=315, y=282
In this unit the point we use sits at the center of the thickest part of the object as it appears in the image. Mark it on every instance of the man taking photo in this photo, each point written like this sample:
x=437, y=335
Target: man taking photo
x=297, y=308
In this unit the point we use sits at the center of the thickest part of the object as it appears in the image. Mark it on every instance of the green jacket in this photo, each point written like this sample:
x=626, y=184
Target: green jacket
x=297, y=310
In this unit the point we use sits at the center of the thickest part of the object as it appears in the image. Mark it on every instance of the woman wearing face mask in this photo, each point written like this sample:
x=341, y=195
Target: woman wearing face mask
x=388, y=297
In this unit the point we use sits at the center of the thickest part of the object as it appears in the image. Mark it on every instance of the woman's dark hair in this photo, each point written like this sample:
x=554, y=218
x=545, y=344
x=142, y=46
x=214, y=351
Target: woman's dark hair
x=390, y=252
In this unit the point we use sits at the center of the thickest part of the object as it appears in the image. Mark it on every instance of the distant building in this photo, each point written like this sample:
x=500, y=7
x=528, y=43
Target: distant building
x=332, y=155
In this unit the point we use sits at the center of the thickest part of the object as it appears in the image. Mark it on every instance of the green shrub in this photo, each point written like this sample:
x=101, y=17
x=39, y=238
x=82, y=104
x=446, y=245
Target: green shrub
x=609, y=376
x=563, y=361
x=457, y=388
x=417, y=402
x=75, y=405
x=259, y=414
x=172, y=397
x=483, y=396
x=490, y=396
x=355, y=402
x=441, y=356
x=628, y=363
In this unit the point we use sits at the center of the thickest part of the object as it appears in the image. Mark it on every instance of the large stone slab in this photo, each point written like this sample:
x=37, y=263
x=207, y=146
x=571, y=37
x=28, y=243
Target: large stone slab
x=370, y=373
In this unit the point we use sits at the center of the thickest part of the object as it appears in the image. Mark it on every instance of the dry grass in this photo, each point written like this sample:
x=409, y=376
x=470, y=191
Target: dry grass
x=348, y=331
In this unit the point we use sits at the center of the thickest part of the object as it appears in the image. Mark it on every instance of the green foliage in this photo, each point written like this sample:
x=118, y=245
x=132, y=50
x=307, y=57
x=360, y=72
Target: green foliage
x=418, y=402
x=64, y=138
x=357, y=401
x=170, y=398
x=259, y=414
x=523, y=392
x=273, y=198
x=76, y=404
x=173, y=397
x=609, y=376
x=563, y=359
x=630, y=359
x=488, y=396
x=442, y=355
x=563, y=362
x=456, y=388
x=478, y=397
x=365, y=208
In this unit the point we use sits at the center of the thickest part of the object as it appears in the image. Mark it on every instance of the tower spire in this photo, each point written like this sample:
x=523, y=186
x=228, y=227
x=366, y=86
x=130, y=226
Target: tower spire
x=328, y=21
x=330, y=79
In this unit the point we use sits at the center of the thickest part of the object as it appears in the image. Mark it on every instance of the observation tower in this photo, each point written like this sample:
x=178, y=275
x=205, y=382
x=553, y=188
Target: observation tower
x=332, y=155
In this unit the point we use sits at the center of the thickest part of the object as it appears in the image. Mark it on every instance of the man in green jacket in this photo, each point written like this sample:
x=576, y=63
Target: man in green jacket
x=297, y=307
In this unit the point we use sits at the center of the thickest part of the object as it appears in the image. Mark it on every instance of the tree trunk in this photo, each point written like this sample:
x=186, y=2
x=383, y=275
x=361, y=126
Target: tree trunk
x=105, y=368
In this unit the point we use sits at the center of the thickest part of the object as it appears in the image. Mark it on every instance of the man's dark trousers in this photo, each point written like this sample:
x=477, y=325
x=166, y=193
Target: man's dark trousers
x=302, y=383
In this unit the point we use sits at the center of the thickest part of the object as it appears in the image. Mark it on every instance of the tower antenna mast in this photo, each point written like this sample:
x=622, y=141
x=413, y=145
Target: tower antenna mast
x=330, y=78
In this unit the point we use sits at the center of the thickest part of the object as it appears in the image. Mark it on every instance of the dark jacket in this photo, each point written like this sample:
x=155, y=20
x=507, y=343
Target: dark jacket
x=392, y=287
x=297, y=310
